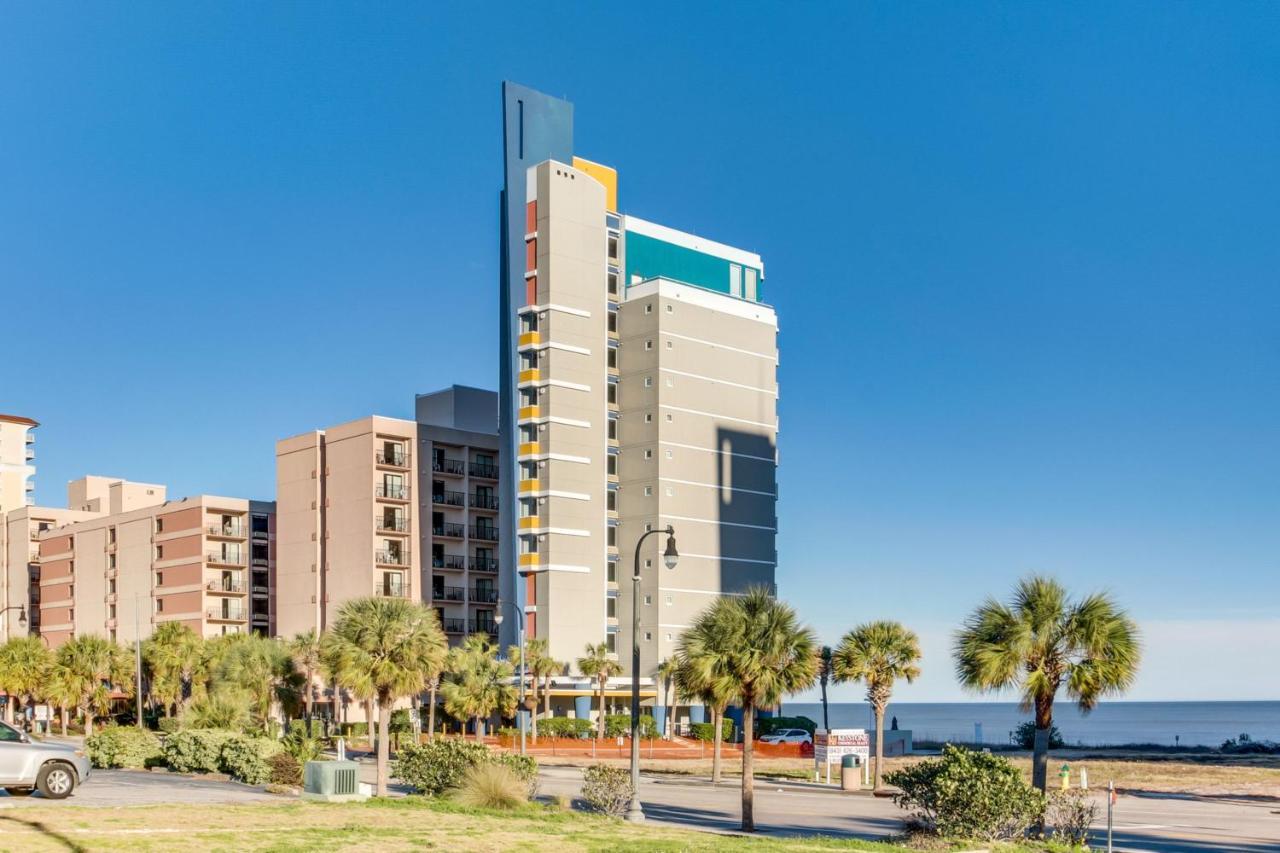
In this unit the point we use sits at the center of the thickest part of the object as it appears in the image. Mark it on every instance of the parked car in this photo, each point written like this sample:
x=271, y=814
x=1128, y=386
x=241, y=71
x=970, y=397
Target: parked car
x=787, y=736
x=53, y=769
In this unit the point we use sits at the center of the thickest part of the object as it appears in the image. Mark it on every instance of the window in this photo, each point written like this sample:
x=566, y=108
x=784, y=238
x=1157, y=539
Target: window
x=670, y=309
x=111, y=561
x=611, y=501
x=668, y=421
x=611, y=536
x=613, y=248
x=613, y=284
x=613, y=322
x=751, y=284
x=735, y=280
x=648, y=345
x=613, y=465
x=111, y=586
x=648, y=454
x=613, y=572
x=613, y=392
x=669, y=345
x=528, y=508
x=648, y=635
x=159, y=578
x=111, y=535
x=648, y=599
x=611, y=608
x=159, y=605
x=159, y=552
x=528, y=545
x=611, y=642
x=159, y=525
x=648, y=382
x=648, y=309
x=612, y=357
x=670, y=492
x=648, y=417
x=671, y=383
x=613, y=430
x=668, y=454
x=9, y=733
x=648, y=491
x=529, y=322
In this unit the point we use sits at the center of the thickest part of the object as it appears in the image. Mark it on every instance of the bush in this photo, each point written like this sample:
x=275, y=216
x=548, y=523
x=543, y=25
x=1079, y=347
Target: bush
x=508, y=731
x=490, y=785
x=1070, y=813
x=618, y=725
x=224, y=709
x=571, y=727
x=301, y=747
x=284, y=769
x=168, y=725
x=707, y=731
x=1025, y=736
x=525, y=768
x=769, y=725
x=1245, y=745
x=300, y=726
x=245, y=758
x=967, y=794
x=196, y=750
x=117, y=746
x=438, y=765
x=350, y=730
x=401, y=722
x=607, y=789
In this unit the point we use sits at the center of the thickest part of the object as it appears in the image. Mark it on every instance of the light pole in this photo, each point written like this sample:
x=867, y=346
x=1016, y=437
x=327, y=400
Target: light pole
x=498, y=620
x=669, y=556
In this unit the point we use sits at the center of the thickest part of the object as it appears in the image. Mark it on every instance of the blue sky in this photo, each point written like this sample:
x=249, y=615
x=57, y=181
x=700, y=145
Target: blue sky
x=1024, y=258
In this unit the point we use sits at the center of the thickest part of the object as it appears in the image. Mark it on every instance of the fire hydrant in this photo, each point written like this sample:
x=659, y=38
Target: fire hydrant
x=1065, y=774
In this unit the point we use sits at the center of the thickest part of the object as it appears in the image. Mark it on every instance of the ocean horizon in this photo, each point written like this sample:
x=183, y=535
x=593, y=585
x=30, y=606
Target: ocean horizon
x=1111, y=723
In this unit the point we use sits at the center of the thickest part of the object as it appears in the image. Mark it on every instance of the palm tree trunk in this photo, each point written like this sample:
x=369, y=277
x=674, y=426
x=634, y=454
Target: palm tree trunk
x=370, y=728
x=546, y=696
x=825, y=725
x=748, y=768
x=431, y=714
x=533, y=711
x=1040, y=754
x=88, y=722
x=879, y=744
x=384, y=726
x=63, y=712
x=717, y=721
x=600, y=722
x=8, y=708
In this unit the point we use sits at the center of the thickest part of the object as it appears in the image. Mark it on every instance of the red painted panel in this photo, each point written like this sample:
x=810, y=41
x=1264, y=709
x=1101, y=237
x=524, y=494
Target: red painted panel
x=530, y=255
x=530, y=589
x=531, y=217
x=531, y=291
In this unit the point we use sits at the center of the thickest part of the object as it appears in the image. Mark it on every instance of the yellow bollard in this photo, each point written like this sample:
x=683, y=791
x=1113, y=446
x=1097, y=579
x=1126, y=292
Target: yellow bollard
x=1065, y=775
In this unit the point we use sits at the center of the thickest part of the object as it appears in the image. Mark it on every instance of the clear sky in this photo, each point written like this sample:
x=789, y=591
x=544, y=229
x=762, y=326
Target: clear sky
x=1025, y=260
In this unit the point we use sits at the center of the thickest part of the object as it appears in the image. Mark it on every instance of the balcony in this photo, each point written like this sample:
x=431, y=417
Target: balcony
x=231, y=614
x=528, y=448
x=484, y=532
x=484, y=564
x=485, y=470
x=530, y=522
x=225, y=531
x=528, y=413
x=393, y=525
x=259, y=589
x=261, y=534
x=225, y=586
x=482, y=626
x=489, y=502
x=450, y=529
x=449, y=466
x=261, y=561
x=529, y=339
x=447, y=593
x=449, y=498
x=391, y=558
x=531, y=374
x=385, y=491
x=454, y=626
x=391, y=591
x=217, y=559
x=483, y=595
x=398, y=459
x=449, y=561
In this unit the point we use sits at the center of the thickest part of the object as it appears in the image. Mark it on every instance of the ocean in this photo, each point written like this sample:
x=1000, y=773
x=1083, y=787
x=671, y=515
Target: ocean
x=1111, y=723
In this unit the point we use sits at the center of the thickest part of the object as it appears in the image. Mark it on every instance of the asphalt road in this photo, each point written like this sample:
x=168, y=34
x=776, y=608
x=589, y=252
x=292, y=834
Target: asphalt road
x=137, y=788
x=1164, y=824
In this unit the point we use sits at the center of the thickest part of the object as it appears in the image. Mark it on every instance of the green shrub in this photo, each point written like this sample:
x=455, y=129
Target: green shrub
x=571, y=727
x=350, y=730
x=1025, y=736
x=967, y=794
x=301, y=747
x=223, y=709
x=117, y=746
x=490, y=786
x=300, y=726
x=438, y=765
x=607, y=789
x=525, y=768
x=284, y=769
x=196, y=750
x=508, y=731
x=769, y=725
x=168, y=725
x=617, y=725
x=707, y=731
x=1070, y=813
x=245, y=758
x=401, y=722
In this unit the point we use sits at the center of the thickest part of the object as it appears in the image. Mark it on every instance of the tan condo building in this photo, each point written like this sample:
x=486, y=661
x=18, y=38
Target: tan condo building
x=17, y=462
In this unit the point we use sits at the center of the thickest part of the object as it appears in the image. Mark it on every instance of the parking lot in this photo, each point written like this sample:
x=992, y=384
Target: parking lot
x=140, y=788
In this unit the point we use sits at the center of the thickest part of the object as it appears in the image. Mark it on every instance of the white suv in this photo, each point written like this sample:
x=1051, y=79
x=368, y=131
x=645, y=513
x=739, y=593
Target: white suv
x=787, y=736
x=54, y=769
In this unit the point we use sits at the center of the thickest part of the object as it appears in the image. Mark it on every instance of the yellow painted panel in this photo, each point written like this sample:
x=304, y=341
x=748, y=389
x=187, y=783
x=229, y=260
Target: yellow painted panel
x=529, y=522
x=529, y=448
x=605, y=175
x=530, y=338
x=528, y=559
x=530, y=375
x=528, y=485
x=528, y=412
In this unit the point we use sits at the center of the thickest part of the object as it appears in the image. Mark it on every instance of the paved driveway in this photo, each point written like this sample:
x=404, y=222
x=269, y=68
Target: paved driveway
x=135, y=788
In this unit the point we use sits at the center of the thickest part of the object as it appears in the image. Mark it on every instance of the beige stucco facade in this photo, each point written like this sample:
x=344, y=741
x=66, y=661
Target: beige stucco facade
x=205, y=561
x=17, y=462
x=347, y=519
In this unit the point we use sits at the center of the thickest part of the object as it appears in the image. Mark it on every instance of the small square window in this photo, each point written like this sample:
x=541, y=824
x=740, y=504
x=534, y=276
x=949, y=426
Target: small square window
x=648, y=635
x=648, y=382
x=648, y=345
x=648, y=599
x=668, y=454
x=648, y=491
x=669, y=310
x=670, y=492
x=668, y=344
x=648, y=309
x=648, y=417
x=648, y=454
x=668, y=418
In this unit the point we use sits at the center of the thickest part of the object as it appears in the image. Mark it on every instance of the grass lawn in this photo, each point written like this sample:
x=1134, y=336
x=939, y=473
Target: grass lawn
x=383, y=825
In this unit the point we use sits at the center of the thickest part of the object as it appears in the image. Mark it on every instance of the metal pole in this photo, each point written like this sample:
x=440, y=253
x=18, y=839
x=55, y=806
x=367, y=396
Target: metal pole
x=137, y=661
x=636, y=812
x=1111, y=798
x=522, y=708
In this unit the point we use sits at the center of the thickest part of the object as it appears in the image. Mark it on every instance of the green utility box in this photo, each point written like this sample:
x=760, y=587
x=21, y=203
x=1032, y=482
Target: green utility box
x=332, y=781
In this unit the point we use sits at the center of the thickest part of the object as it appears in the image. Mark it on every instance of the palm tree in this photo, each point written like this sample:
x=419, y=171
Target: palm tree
x=824, y=676
x=305, y=650
x=544, y=667
x=600, y=664
x=93, y=665
x=61, y=691
x=536, y=665
x=877, y=654
x=389, y=646
x=768, y=655
x=476, y=683
x=171, y=656
x=24, y=666
x=263, y=669
x=666, y=673
x=433, y=687
x=1041, y=641
x=702, y=673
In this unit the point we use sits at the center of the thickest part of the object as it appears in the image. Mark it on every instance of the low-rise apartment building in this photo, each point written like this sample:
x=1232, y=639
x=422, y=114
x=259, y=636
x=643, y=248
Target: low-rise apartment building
x=206, y=561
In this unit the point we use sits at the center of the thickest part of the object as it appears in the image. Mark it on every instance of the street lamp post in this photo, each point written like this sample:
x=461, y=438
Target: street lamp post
x=669, y=556
x=520, y=713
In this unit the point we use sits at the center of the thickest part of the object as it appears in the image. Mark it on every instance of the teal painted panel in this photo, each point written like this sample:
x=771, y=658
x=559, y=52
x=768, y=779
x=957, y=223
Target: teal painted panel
x=649, y=257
